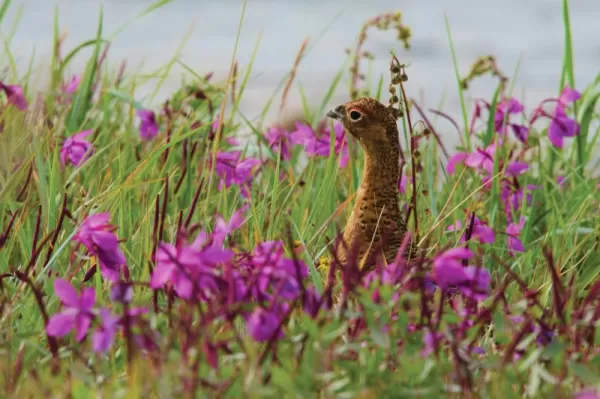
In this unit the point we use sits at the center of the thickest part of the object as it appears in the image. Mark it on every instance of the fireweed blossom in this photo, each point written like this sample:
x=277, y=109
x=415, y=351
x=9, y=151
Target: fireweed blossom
x=481, y=231
x=478, y=159
x=456, y=159
x=148, y=125
x=223, y=228
x=103, y=337
x=263, y=324
x=513, y=243
x=482, y=160
x=277, y=275
x=587, y=394
x=512, y=197
x=176, y=266
x=97, y=235
x=189, y=268
x=71, y=86
x=279, y=141
x=78, y=313
x=402, y=183
x=516, y=168
x=76, y=149
x=449, y=272
x=504, y=110
x=232, y=170
x=561, y=125
x=15, y=96
x=319, y=145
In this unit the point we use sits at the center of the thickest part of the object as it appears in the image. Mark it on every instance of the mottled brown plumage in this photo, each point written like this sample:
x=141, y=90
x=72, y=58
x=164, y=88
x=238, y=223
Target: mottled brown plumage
x=376, y=211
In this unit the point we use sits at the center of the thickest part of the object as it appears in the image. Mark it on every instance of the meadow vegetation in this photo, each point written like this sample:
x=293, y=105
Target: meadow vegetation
x=155, y=252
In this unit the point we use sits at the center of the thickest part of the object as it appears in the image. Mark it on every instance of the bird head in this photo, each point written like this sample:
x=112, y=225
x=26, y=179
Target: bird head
x=369, y=121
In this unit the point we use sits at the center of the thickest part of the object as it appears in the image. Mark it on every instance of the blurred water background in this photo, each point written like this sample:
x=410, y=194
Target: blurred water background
x=524, y=33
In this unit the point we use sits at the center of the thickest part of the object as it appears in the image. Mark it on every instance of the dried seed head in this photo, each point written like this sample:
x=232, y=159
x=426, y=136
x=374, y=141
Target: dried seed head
x=395, y=79
x=395, y=69
x=392, y=89
x=403, y=77
x=393, y=99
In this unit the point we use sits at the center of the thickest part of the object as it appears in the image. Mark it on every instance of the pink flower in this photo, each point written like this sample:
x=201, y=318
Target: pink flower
x=512, y=231
x=71, y=86
x=103, y=337
x=402, y=183
x=320, y=145
x=189, y=268
x=148, y=125
x=478, y=159
x=512, y=197
x=78, y=313
x=223, y=229
x=503, y=111
x=279, y=141
x=454, y=160
x=233, y=171
x=76, y=149
x=262, y=325
x=515, y=169
x=97, y=235
x=481, y=231
x=561, y=125
x=277, y=275
x=587, y=394
x=448, y=272
x=482, y=159
x=15, y=96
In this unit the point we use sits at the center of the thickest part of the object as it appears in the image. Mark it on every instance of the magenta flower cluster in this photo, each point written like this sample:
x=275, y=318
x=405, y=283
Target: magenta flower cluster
x=97, y=235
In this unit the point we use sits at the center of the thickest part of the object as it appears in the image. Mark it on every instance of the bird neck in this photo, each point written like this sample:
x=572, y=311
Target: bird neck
x=381, y=169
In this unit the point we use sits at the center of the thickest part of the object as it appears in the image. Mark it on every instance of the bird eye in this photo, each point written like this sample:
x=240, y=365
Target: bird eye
x=355, y=115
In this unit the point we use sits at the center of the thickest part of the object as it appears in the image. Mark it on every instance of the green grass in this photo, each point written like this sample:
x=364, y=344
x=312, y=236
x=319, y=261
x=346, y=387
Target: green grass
x=138, y=181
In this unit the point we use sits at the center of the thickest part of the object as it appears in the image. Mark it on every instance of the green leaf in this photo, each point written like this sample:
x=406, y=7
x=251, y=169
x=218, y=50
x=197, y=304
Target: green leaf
x=583, y=372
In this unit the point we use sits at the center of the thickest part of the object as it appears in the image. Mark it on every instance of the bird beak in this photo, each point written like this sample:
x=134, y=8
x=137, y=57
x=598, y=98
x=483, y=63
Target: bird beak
x=337, y=113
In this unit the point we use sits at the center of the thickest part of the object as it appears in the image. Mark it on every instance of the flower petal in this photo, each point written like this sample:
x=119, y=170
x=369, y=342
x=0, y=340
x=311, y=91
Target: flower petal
x=67, y=294
x=88, y=299
x=61, y=323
